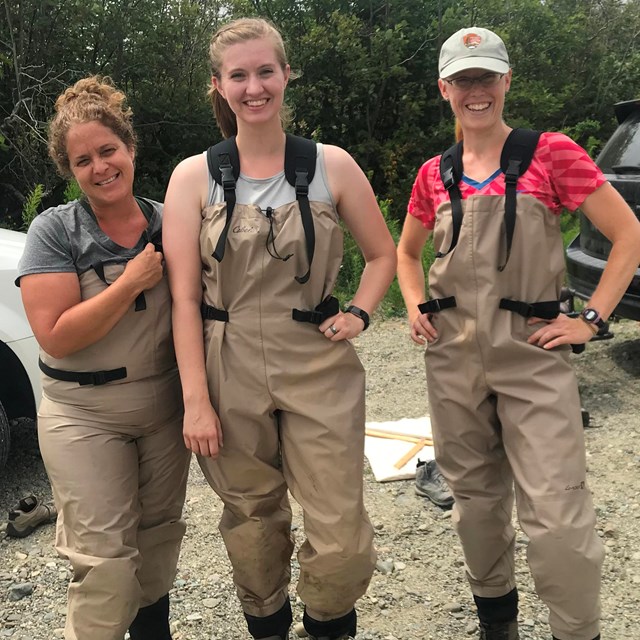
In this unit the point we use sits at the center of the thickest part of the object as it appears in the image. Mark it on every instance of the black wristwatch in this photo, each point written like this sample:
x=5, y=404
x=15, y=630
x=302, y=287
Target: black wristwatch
x=359, y=313
x=592, y=317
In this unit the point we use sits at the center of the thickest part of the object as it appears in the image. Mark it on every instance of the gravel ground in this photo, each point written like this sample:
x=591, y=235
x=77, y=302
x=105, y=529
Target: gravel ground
x=418, y=591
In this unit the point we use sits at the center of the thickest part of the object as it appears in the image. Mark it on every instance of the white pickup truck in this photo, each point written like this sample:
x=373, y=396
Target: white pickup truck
x=19, y=374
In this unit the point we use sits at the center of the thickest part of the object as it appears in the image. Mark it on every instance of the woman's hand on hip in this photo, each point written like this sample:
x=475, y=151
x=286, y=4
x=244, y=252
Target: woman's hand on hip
x=422, y=330
x=202, y=430
x=561, y=330
x=342, y=326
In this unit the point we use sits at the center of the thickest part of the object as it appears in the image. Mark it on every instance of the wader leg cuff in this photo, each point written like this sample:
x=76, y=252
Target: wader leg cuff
x=498, y=610
x=330, y=629
x=152, y=622
x=277, y=624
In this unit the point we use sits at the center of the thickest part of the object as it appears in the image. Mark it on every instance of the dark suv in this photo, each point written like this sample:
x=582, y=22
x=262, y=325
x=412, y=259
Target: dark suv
x=588, y=253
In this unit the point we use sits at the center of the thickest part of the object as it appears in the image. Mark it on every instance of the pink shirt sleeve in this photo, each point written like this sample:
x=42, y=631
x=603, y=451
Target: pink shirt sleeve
x=422, y=201
x=573, y=175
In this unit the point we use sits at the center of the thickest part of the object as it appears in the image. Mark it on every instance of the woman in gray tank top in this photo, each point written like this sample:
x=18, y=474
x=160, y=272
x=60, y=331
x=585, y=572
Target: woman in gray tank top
x=273, y=389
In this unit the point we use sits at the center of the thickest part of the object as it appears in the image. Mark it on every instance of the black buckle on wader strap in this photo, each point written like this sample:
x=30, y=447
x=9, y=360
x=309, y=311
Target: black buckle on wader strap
x=451, y=174
x=328, y=308
x=547, y=310
x=140, y=301
x=83, y=378
x=437, y=304
x=299, y=169
x=229, y=187
x=212, y=313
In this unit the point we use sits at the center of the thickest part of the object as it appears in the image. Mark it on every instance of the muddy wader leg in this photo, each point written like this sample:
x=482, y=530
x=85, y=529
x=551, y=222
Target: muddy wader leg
x=323, y=458
x=152, y=622
x=256, y=519
x=163, y=468
x=98, y=521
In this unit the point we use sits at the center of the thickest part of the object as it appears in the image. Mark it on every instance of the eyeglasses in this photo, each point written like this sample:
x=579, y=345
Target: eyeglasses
x=486, y=80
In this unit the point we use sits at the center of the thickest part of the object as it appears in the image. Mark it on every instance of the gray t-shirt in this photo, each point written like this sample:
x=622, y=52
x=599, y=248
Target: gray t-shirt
x=68, y=239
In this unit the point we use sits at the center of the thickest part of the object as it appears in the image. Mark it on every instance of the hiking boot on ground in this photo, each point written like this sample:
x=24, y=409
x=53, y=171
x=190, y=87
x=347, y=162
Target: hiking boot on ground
x=499, y=631
x=27, y=515
x=431, y=484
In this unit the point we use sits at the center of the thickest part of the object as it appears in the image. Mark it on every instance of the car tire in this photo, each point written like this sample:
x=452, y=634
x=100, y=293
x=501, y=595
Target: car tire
x=5, y=437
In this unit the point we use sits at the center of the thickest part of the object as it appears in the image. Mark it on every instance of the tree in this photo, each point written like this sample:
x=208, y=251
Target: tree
x=368, y=76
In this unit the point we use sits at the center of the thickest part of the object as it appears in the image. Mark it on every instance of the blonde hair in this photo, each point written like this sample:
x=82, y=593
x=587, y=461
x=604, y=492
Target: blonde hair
x=458, y=131
x=92, y=99
x=235, y=32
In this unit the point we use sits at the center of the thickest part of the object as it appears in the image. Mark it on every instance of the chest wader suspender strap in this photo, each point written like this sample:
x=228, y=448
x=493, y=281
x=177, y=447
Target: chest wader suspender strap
x=515, y=159
x=299, y=167
x=451, y=174
x=224, y=166
x=156, y=239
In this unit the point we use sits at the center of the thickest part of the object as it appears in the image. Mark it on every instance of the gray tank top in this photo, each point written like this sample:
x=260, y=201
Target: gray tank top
x=274, y=191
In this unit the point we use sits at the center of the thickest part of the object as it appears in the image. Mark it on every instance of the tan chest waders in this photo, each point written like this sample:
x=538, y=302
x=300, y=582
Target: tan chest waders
x=506, y=413
x=110, y=430
x=291, y=402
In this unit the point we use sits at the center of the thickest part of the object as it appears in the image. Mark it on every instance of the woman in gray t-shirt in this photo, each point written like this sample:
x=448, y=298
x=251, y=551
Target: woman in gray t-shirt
x=110, y=419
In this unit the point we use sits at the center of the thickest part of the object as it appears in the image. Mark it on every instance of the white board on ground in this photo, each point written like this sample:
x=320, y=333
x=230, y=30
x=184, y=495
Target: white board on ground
x=384, y=453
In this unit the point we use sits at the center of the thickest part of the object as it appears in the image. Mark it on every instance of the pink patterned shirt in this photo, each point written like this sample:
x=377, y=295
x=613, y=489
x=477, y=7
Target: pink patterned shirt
x=561, y=175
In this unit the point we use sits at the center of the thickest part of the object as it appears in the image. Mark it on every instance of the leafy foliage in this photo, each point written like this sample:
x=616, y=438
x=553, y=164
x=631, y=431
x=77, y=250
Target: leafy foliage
x=72, y=191
x=368, y=75
x=31, y=205
x=353, y=264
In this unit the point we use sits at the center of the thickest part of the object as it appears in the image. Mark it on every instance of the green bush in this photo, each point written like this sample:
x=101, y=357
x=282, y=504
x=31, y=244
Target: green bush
x=392, y=304
x=569, y=226
x=31, y=206
x=72, y=191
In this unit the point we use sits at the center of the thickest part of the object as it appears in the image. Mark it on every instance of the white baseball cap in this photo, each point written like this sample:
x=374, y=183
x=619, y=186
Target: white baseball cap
x=473, y=48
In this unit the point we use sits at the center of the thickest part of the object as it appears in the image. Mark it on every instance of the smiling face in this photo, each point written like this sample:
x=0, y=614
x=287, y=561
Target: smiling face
x=101, y=163
x=479, y=107
x=252, y=80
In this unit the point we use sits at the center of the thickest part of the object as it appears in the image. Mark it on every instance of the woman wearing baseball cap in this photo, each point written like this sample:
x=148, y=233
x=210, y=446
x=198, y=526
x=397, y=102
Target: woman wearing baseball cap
x=504, y=400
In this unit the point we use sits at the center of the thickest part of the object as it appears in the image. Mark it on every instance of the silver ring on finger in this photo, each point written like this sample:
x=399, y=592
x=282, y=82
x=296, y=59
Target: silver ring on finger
x=333, y=329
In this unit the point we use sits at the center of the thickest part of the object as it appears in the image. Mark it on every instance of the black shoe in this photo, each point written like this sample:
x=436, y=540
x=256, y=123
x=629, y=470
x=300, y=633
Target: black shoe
x=431, y=484
x=499, y=631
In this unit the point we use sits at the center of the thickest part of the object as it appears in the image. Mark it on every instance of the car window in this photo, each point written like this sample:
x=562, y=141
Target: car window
x=622, y=153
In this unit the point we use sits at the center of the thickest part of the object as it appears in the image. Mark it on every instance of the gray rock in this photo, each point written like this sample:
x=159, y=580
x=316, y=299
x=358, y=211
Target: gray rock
x=19, y=591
